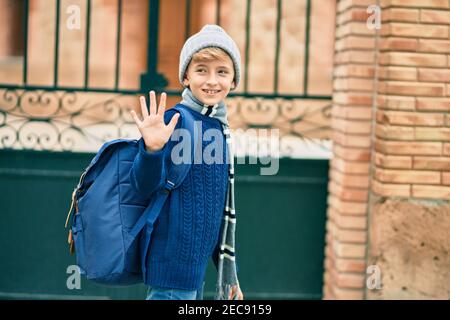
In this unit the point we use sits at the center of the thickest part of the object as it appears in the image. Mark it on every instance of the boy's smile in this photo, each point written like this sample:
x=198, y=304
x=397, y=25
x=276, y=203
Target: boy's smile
x=210, y=81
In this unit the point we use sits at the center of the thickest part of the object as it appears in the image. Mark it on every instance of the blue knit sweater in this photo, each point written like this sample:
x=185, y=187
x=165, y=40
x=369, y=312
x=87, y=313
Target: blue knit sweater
x=186, y=233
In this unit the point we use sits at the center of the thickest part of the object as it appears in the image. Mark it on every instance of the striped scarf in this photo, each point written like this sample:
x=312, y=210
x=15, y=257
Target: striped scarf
x=226, y=267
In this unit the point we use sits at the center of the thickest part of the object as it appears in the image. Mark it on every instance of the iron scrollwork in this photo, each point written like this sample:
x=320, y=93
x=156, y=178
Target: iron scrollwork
x=62, y=120
x=78, y=121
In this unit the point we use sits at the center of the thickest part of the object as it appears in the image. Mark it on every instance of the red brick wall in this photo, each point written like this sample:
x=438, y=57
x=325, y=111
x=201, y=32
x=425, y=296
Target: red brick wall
x=412, y=124
x=391, y=151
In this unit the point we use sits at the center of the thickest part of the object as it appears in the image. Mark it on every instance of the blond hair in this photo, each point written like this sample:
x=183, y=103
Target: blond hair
x=211, y=54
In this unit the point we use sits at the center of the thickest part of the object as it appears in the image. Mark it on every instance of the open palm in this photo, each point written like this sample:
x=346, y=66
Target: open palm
x=153, y=129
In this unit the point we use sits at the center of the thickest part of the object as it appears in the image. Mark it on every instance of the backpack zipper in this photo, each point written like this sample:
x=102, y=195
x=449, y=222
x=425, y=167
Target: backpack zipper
x=74, y=202
x=72, y=205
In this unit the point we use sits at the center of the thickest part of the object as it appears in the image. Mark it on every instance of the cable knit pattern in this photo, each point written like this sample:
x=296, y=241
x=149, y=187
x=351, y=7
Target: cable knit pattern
x=209, y=204
x=194, y=214
x=218, y=205
x=199, y=196
x=188, y=207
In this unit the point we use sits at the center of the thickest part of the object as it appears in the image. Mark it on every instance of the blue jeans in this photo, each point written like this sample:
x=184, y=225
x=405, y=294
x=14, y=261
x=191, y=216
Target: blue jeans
x=158, y=293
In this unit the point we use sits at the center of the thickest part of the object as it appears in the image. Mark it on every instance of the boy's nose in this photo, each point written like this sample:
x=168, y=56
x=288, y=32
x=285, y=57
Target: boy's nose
x=212, y=79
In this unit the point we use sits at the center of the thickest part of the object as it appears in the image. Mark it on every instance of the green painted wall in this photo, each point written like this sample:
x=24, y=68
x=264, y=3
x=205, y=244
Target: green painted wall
x=280, y=230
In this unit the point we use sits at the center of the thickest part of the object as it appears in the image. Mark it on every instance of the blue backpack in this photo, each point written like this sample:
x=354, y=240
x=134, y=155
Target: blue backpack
x=111, y=224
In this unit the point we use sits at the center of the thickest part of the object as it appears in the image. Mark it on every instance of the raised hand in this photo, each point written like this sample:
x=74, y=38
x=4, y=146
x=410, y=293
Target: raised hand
x=236, y=291
x=153, y=129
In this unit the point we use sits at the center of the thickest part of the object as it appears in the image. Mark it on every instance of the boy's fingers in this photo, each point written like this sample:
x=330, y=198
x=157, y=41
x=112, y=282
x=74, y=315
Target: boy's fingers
x=232, y=292
x=236, y=291
x=162, y=104
x=152, y=102
x=136, y=118
x=173, y=121
x=144, y=110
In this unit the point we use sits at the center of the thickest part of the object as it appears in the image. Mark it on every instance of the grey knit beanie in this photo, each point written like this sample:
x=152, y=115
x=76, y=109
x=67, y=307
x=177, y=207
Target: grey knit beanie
x=210, y=36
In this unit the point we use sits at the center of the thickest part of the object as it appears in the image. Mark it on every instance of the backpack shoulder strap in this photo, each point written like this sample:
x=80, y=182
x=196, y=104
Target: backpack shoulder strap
x=177, y=172
x=175, y=177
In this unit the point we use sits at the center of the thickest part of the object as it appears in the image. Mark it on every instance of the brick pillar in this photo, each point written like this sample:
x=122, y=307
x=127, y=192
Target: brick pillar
x=353, y=87
x=409, y=238
x=390, y=175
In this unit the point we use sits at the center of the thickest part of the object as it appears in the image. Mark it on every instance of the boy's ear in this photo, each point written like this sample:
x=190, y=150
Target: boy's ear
x=186, y=81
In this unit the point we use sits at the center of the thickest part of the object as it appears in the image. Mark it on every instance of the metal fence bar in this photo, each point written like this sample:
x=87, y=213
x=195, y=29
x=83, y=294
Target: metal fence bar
x=152, y=49
x=152, y=79
x=88, y=38
x=55, y=68
x=68, y=89
x=218, y=5
x=168, y=91
x=247, y=43
x=25, y=43
x=261, y=95
x=187, y=26
x=277, y=48
x=306, y=62
x=119, y=31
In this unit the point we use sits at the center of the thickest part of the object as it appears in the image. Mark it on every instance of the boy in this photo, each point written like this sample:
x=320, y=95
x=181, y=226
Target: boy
x=198, y=220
